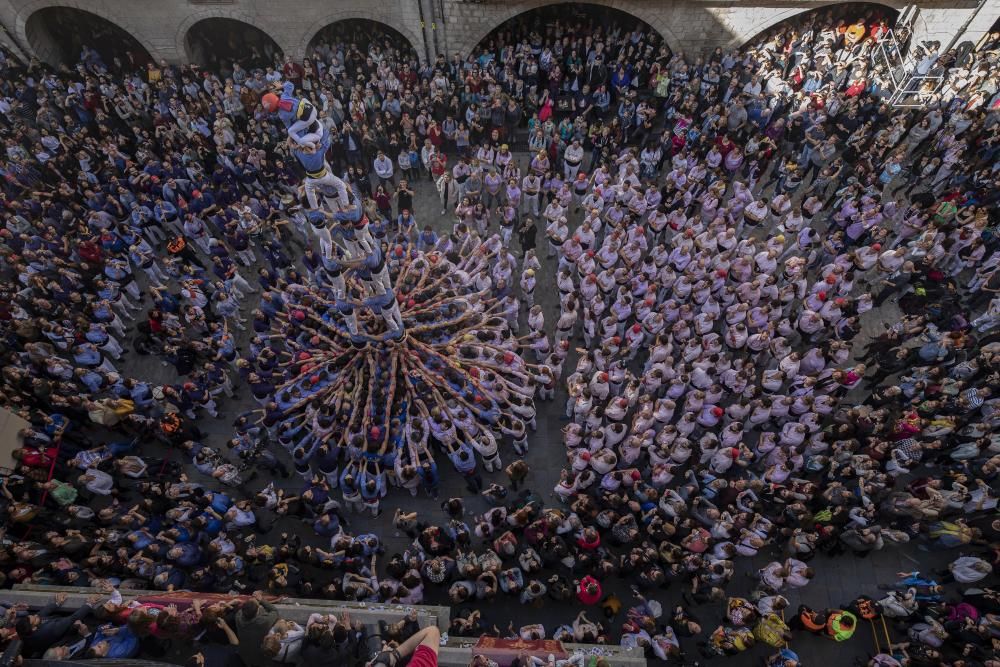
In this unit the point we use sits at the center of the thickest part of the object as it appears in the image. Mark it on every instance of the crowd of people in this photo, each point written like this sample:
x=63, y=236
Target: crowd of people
x=716, y=228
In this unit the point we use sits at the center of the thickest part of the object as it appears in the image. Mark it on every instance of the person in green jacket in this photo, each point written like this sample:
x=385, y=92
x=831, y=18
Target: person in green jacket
x=64, y=494
x=253, y=621
x=840, y=625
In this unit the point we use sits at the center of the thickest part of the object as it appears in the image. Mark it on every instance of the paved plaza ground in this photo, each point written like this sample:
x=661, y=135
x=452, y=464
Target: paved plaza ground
x=838, y=579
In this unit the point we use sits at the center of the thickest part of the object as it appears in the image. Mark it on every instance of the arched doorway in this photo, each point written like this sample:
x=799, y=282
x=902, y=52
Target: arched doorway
x=353, y=40
x=577, y=21
x=991, y=39
x=216, y=43
x=836, y=43
x=59, y=35
x=842, y=14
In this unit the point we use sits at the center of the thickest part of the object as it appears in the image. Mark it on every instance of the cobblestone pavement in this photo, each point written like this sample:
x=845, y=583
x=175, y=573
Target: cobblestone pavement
x=838, y=579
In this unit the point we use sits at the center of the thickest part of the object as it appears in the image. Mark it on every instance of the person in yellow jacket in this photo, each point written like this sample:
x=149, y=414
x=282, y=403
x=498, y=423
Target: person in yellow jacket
x=773, y=631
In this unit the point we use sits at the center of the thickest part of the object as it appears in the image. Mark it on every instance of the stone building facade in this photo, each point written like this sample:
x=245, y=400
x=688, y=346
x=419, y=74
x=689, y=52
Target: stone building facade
x=450, y=26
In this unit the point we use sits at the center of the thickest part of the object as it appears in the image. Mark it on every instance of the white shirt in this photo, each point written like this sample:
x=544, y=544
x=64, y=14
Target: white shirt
x=383, y=167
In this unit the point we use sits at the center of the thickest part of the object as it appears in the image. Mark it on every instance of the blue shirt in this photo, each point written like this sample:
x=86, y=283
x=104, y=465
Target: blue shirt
x=190, y=554
x=164, y=211
x=221, y=502
x=140, y=215
x=122, y=644
x=463, y=466
x=93, y=380
x=87, y=357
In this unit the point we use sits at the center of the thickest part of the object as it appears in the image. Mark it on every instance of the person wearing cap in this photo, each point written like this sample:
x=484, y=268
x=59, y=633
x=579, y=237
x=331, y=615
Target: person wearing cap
x=201, y=202
x=634, y=338
x=866, y=257
x=580, y=188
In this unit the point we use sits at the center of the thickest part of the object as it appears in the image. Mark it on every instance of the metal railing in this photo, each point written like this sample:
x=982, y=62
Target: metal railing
x=908, y=89
x=916, y=91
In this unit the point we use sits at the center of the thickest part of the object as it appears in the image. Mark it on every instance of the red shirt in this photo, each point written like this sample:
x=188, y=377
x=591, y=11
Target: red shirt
x=382, y=201
x=35, y=458
x=434, y=134
x=89, y=251
x=408, y=79
x=293, y=72
x=724, y=146
x=584, y=596
x=438, y=165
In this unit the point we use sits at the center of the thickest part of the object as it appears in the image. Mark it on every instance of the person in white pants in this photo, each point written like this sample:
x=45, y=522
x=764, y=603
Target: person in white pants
x=111, y=345
x=149, y=265
x=572, y=159
x=323, y=183
x=123, y=306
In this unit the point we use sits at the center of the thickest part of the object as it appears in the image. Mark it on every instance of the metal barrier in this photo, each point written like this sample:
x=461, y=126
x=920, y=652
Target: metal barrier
x=457, y=652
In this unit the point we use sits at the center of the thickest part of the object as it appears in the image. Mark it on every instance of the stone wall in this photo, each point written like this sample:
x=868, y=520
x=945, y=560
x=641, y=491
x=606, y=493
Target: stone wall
x=692, y=26
x=699, y=26
x=161, y=26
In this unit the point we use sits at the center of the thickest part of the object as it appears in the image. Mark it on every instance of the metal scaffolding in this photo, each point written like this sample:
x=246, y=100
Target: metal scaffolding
x=908, y=88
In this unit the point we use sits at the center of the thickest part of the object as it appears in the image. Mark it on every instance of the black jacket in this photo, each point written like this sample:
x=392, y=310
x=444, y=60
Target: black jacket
x=52, y=629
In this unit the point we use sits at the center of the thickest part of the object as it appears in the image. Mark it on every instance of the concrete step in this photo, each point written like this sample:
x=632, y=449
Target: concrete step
x=458, y=652
x=296, y=609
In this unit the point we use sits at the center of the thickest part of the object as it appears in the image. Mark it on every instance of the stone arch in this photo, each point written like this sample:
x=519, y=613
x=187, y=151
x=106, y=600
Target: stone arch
x=772, y=19
x=250, y=19
x=415, y=39
x=27, y=30
x=657, y=18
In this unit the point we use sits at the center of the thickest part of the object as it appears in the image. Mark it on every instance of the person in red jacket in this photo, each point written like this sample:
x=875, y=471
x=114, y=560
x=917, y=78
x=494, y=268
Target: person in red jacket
x=90, y=251
x=588, y=591
x=35, y=458
x=589, y=539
